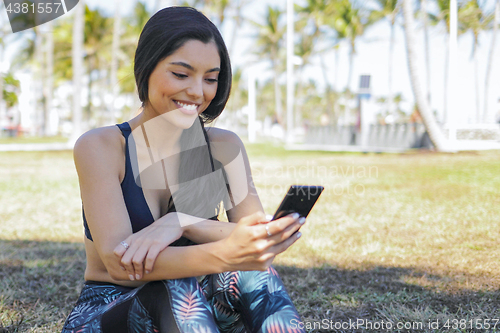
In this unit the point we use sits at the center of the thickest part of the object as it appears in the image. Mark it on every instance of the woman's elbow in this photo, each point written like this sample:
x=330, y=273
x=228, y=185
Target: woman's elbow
x=114, y=268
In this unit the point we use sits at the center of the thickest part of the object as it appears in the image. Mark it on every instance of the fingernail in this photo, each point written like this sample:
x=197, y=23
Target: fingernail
x=123, y=268
x=299, y=234
x=295, y=215
x=147, y=272
x=302, y=220
x=131, y=277
x=137, y=276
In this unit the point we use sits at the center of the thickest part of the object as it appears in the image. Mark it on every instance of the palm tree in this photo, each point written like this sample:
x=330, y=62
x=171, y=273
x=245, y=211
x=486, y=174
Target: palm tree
x=48, y=75
x=238, y=20
x=425, y=20
x=475, y=20
x=388, y=9
x=3, y=33
x=428, y=119
x=319, y=12
x=351, y=22
x=97, y=42
x=132, y=27
x=269, y=41
x=217, y=10
x=239, y=94
x=496, y=22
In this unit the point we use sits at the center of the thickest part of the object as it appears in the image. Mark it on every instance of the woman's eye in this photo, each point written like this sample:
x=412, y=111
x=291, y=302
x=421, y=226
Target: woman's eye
x=181, y=76
x=212, y=80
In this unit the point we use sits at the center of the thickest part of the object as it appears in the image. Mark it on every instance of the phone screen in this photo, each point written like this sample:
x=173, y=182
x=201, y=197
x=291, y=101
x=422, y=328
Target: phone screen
x=299, y=199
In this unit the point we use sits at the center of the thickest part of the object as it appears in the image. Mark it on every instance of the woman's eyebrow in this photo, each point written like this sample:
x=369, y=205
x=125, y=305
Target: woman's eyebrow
x=188, y=66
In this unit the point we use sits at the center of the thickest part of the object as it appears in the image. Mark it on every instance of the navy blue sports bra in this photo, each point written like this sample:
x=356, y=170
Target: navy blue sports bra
x=137, y=207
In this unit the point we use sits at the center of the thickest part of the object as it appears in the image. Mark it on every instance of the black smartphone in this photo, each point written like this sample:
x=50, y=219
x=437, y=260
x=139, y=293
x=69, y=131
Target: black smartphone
x=299, y=199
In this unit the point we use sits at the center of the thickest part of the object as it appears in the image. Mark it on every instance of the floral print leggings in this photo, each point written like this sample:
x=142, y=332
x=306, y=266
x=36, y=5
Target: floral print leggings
x=232, y=302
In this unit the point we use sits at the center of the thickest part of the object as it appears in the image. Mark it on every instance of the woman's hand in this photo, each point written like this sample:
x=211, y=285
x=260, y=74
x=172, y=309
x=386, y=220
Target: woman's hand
x=145, y=245
x=255, y=242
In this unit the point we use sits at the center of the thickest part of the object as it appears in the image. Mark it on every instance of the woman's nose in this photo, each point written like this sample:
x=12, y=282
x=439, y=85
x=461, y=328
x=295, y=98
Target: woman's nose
x=196, y=89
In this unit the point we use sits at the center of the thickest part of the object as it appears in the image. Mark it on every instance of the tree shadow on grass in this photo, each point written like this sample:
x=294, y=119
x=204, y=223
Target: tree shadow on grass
x=40, y=282
x=405, y=295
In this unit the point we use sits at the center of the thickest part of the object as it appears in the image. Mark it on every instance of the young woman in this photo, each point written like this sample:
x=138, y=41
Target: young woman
x=158, y=259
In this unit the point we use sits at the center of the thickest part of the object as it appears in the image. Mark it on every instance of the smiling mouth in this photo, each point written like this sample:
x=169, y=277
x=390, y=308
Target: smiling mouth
x=189, y=107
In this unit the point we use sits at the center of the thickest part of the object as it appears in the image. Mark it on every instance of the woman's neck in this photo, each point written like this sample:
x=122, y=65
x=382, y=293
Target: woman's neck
x=160, y=136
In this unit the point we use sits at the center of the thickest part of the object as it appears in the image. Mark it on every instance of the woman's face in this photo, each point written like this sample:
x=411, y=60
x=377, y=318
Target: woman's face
x=183, y=84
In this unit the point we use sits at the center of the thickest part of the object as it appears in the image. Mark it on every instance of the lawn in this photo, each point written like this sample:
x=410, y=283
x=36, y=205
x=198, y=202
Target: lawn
x=405, y=241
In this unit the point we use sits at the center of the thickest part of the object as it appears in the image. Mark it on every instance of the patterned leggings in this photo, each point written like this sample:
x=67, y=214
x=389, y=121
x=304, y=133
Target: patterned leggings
x=232, y=302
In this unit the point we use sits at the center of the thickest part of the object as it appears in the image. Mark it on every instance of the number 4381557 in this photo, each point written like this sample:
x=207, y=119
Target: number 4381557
x=39, y=8
x=476, y=324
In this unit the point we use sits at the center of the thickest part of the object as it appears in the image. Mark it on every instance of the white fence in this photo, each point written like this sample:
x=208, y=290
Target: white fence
x=398, y=136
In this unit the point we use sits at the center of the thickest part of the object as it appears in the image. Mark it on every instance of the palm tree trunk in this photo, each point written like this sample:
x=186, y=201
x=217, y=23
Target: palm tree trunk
x=335, y=88
x=40, y=82
x=351, y=65
x=2, y=102
x=238, y=18
x=2, y=35
x=277, y=98
x=337, y=62
x=49, y=76
x=390, y=104
x=476, y=83
x=425, y=20
x=329, y=103
x=490, y=60
x=428, y=119
x=277, y=89
x=445, y=95
x=347, y=110
x=77, y=55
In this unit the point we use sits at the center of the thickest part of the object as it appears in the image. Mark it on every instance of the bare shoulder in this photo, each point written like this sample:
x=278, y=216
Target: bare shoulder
x=226, y=145
x=99, y=145
x=216, y=134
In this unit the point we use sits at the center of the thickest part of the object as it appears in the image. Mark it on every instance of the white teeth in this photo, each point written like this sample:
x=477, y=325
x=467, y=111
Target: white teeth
x=187, y=106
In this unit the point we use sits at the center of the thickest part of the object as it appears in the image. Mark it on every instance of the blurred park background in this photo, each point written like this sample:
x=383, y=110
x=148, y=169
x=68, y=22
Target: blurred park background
x=409, y=236
x=346, y=81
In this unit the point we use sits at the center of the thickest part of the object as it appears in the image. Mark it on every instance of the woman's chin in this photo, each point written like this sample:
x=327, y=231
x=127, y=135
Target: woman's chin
x=179, y=119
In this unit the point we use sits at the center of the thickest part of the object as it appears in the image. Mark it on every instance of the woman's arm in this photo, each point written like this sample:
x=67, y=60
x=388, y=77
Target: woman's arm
x=228, y=148
x=98, y=158
x=248, y=247
x=207, y=231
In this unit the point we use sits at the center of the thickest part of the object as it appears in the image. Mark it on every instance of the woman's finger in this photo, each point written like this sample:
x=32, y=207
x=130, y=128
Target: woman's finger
x=292, y=229
x=138, y=261
x=151, y=258
x=278, y=226
x=126, y=260
x=126, y=263
x=281, y=247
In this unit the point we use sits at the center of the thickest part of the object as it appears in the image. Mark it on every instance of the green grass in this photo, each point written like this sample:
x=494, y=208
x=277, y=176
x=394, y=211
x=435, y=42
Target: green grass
x=33, y=139
x=403, y=238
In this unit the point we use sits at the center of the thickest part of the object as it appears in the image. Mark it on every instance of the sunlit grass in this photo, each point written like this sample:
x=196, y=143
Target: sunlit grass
x=400, y=237
x=33, y=139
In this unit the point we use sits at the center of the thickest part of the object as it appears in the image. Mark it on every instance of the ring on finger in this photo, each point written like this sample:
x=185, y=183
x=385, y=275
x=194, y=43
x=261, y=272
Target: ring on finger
x=125, y=245
x=269, y=234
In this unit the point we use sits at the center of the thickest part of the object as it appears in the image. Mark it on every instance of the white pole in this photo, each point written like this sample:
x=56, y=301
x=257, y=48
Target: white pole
x=114, y=62
x=289, y=71
x=454, y=114
x=251, y=106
